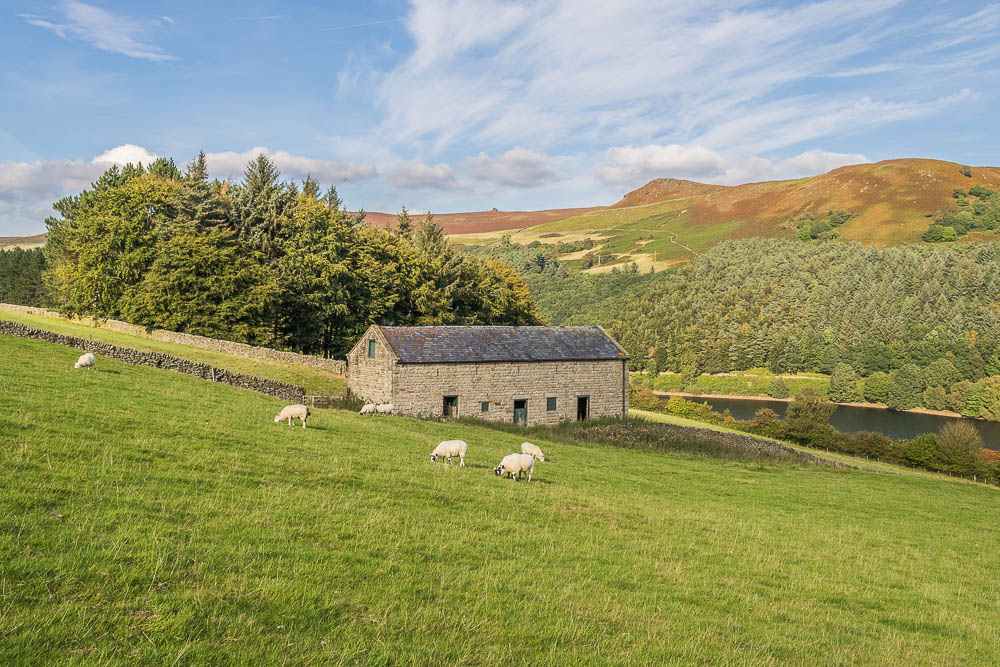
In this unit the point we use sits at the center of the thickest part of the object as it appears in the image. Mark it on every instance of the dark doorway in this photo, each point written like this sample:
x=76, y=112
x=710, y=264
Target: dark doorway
x=582, y=408
x=521, y=412
x=450, y=406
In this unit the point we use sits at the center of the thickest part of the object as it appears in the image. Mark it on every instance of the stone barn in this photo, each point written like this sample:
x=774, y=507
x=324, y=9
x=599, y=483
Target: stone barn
x=525, y=375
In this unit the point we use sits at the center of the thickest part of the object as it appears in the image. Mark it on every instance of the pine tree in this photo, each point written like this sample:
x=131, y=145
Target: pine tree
x=404, y=225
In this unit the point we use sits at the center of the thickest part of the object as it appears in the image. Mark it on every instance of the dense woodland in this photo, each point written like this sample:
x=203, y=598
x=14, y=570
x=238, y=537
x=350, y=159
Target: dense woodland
x=262, y=261
x=911, y=326
x=21, y=277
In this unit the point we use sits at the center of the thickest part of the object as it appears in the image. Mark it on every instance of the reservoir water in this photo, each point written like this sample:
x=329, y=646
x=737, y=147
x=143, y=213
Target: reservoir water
x=850, y=419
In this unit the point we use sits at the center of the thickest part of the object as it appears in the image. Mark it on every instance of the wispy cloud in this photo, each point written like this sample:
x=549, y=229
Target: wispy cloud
x=104, y=30
x=737, y=78
x=359, y=25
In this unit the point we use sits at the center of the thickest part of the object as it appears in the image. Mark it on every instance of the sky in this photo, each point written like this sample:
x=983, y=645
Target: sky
x=459, y=105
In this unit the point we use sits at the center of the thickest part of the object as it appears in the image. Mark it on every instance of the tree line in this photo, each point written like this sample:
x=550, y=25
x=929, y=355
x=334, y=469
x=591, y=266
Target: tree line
x=21, y=277
x=261, y=261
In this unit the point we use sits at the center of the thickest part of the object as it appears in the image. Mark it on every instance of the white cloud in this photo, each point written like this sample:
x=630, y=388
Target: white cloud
x=517, y=167
x=634, y=165
x=229, y=164
x=104, y=30
x=126, y=154
x=411, y=175
x=631, y=164
x=28, y=189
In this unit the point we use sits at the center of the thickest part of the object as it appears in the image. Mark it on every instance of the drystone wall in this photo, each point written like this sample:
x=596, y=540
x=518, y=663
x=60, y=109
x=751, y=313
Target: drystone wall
x=337, y=366
x=282, y=390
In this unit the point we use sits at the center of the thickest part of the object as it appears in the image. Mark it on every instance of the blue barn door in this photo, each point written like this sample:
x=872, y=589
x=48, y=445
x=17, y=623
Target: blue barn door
x=521, y=412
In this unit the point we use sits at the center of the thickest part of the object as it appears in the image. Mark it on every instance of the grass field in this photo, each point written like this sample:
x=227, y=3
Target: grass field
x=151, y=517
x=737, y=384
x=317, y=382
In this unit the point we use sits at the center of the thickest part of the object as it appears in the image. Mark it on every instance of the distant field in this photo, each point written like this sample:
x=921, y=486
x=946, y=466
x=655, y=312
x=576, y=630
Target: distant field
x=148, y=517
x=316, y=381
x=480, y=222
x=736, y=384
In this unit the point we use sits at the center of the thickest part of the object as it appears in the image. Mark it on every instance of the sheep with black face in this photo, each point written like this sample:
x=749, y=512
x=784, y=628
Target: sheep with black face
x=449, y=449
x=513, y=465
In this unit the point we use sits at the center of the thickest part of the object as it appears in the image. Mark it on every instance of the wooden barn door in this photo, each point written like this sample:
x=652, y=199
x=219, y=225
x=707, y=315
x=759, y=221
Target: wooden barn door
x=450, y=406
x=521, y=412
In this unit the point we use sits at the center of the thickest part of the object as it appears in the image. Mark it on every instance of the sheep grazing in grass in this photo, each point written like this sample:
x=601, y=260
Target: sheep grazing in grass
x=516, y=464
x=368, y=409
x=449, y=449
x=532, y=450
x=85, y=361
x=385, y=408
x=291, y=412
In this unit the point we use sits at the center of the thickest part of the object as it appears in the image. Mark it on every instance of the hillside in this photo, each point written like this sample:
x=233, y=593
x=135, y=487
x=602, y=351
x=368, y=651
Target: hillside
x=134, y=528
x=889, y=199
x=891, y=202
x=665, y=189
x=23, y=242
x=479, y=222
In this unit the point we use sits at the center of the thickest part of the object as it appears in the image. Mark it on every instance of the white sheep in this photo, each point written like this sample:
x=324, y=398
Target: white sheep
x=532, y=450
x=368, y=409
x=450, y=448
x=385, y=408
x=85, y=361
x=516, y=464
x=290, y=412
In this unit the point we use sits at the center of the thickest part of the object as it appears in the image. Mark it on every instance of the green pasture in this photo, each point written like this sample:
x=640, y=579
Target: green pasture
x=149, y=517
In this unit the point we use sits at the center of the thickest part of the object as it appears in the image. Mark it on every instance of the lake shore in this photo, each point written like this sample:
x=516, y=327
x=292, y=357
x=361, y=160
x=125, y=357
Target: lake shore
x=743, y=397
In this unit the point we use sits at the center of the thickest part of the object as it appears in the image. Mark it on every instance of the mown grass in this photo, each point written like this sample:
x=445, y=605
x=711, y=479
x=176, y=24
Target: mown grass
x=737, y=384
x=151, y=517
x=316, y=381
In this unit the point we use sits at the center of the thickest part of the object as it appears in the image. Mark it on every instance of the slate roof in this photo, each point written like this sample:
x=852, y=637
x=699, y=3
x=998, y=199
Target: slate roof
x=435, y=345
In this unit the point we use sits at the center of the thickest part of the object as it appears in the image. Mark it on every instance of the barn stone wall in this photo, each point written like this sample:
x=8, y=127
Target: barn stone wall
x=419, y=389
x=371, y=379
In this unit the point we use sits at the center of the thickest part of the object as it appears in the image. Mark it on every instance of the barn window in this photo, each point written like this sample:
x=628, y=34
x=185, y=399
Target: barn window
x=371, y=348
x=484, y=406
x=550, y=403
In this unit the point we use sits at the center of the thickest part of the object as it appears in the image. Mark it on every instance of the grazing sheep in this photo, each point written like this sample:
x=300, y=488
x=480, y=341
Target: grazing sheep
x=516, y=464
x=369, y=409
x=450, y=448
x=85, y=361
x=533, y=450
x=290, y=412
x=385, y=408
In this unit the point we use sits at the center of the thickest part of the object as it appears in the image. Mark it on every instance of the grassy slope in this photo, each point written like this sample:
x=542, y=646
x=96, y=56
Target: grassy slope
x=139, y=528
x=316, y=381
x=736, y=384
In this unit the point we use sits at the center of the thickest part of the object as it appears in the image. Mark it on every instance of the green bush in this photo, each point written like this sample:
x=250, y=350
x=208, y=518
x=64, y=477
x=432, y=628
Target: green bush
x=935, y=398
x=960, y=448
x=876, y=387
x=778, y=388
x=921, y=451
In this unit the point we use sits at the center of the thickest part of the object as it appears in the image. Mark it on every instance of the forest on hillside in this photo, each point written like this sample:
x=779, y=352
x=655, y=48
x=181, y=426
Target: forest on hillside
x=920, y=324
x=262, y=261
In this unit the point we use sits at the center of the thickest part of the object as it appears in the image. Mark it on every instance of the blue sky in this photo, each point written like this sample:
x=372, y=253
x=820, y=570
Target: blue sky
x=453, y=105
